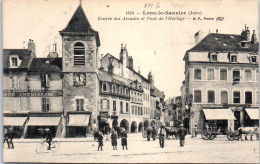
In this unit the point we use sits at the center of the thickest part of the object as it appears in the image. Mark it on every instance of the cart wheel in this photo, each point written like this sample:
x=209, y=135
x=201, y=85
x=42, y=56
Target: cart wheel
x=212, y=136
x=204, y=135
x=230, y=136
x=39, y=148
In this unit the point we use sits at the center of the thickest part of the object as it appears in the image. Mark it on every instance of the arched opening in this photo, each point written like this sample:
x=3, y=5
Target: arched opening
x=133, y=127
x=104, y=126
x=115, y=124
x=79, y=54
x=124, y=124
x=146, y=123
x=140, y=127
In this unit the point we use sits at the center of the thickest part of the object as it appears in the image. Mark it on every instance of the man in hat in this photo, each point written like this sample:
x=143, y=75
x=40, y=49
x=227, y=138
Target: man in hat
x=161, y=136
x=182, y=133
x=49, y=137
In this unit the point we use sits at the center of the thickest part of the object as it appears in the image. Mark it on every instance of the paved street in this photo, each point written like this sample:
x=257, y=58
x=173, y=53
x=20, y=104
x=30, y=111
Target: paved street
x=140, y=150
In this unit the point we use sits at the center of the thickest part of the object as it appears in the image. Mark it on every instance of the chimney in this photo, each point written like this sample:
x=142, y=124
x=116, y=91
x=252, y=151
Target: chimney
x=130, y=61
x=54, y=53
x=254, y=39
x=139, y=70
x=217, y=31
x=247, y=34
x=31, y=46
x=101, y=65
x=198, y=37
x=110, y=66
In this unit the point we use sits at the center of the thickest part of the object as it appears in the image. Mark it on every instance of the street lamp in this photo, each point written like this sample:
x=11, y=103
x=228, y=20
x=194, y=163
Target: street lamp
x=192, y=114
x=189, y=104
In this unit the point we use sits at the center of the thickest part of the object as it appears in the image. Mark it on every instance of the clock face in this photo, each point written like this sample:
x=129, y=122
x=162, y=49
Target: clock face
x=79, y=79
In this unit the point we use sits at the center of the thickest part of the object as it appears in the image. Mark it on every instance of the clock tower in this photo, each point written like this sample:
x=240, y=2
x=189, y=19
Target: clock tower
x=79, y=67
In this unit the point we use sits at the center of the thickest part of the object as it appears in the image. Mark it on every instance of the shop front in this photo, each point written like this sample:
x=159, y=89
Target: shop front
x=219, y=118
x=39, y=122
x=78, y=124
x=252, y=117
x=16, y=122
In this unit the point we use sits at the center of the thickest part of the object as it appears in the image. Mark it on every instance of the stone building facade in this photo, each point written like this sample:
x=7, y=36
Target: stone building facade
x=221, y=79
x=78, y=93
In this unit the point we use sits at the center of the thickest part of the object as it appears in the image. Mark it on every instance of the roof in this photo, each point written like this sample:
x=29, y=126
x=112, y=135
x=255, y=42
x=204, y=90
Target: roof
x=105, y=76
x=223, y=42
x=79, y=24
x=157, y=92
x=23, y=55
x=40, y=65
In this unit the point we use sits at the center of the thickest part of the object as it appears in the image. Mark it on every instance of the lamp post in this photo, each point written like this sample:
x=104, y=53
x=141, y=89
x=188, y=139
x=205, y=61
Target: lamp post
x=192, y=114
x=189, y=104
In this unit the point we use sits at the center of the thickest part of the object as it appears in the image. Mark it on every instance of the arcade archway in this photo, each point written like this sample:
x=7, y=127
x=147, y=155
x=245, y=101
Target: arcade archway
x=146, y=123
x=133, y=127
x=124, y=124
x=140, y=127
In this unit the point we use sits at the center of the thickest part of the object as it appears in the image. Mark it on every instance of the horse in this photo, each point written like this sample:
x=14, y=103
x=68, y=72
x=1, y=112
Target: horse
x=249, y=130
x=172, y=131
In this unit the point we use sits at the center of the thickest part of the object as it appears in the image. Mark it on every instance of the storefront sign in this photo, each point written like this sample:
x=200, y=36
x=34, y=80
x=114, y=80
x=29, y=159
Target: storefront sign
x=32, y=93
x=224, y=84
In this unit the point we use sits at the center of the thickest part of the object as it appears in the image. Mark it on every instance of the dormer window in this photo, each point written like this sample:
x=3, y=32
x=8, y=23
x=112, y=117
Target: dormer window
x=114, y=88
x=104, y=87
x=45, y=81
x=253, y=58
x=233, y=58
x=213, y=57
x=245, y=44
x=14, y=61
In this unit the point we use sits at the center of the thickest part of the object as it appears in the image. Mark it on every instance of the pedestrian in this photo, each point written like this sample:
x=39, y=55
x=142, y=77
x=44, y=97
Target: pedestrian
x=114, y=139
x=182, y=133
x=100, y=141
x=6, y=135
x=124, y=139
x=154, y=133
x=10, y=138
x=195, y=130
x=161, y=136
x=149, y=131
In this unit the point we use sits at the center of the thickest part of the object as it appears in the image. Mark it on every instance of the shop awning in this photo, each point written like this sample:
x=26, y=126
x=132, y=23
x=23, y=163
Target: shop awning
x=219, y=114
x=43, y=121
x=14, y=121
x=78, y=119
x=253, y=113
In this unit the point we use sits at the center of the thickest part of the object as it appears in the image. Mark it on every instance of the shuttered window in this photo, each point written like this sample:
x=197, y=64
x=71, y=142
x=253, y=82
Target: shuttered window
x=80, y=104
x=79, y=54
x=45, y=104
x=248, y=75
x=223, y=74
x=224, y=97
x=211, y=97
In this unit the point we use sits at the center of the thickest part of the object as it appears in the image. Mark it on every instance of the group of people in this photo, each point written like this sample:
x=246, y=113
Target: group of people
x=114, y=137
x=8, y=137
x=182, y=132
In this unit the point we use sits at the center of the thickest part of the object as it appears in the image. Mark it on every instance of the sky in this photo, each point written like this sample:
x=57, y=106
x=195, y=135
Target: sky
x=155, y=45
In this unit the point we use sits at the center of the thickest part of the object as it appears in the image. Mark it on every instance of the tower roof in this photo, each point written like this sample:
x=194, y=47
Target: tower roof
x=79, y=25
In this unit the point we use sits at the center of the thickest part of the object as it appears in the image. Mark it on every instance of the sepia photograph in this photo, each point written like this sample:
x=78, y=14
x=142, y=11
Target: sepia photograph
x=126, y=81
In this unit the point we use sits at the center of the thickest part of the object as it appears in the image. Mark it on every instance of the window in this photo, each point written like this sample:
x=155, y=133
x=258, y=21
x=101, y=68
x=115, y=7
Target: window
x=104, y=104
x=197, y=74
x=113, y=88
x=14, y=61
x=134, y=96
x=133, y=110
x=114, y=105
x=141, y=97
x=233, y=58
x=257, y=74
x=126, y=107
x=44, y=81
x=197, y=96
x=15, y=82
x=141, y=110
x=248, y=75
x=14, y=104
x=224, y=97
x=236, y=97
x=121, y=90
x=45, y=104
x=253, y=58
x=223, y=74
x=121, y=107
x=211, y=97
x=79, y=54
x=126, y=92
x=248, y=97
x=257, y=97
x=236, y=75
x=104, y=87
x=80, y=104
x=210, y=73
x=213, y=57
